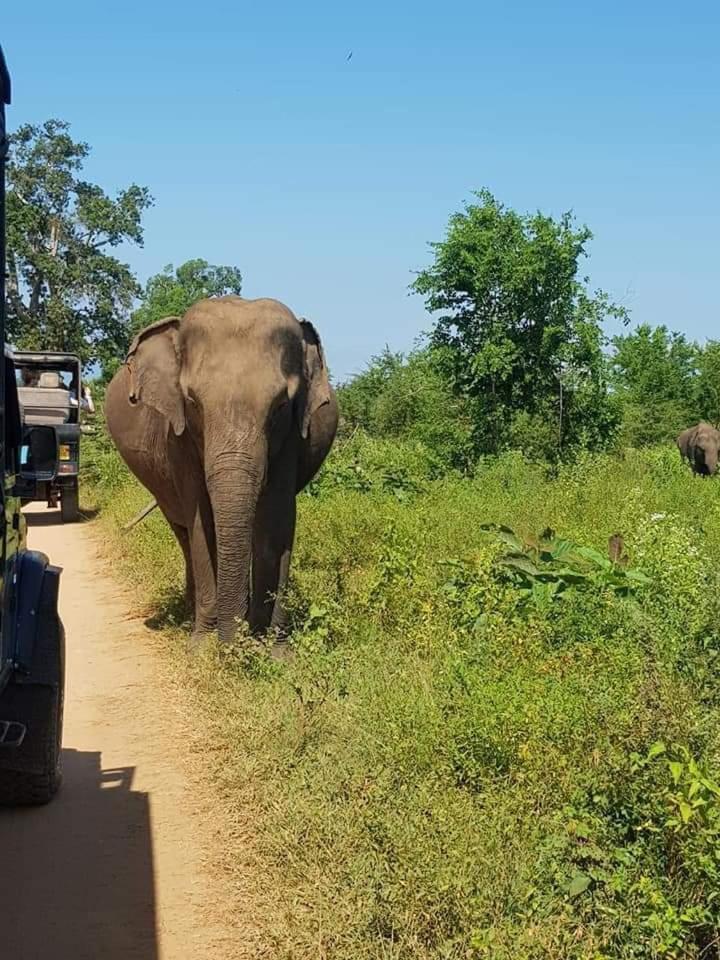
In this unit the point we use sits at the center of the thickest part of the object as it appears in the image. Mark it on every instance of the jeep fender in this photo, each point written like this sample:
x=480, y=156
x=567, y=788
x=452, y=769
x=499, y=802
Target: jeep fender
x=34, y=584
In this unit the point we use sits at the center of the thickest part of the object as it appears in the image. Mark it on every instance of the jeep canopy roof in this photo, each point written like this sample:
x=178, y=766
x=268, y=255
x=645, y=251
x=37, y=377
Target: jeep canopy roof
x=50, y=358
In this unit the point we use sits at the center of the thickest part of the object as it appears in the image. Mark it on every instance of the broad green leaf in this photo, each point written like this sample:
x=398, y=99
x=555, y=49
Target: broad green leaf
x=579, y=884
x=572, y=576
x=676, y=769
x=637, y=576
x=503, y=533
x=522, y=563
x=595, y=556
x=561, y=548
x=710, y=785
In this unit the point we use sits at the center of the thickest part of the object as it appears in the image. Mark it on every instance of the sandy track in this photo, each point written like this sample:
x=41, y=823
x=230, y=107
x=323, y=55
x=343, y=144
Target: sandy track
x=116, y=867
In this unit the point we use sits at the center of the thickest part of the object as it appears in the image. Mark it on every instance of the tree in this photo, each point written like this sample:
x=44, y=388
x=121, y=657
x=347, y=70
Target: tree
x=65, y=290
x=359, y=396
x=170, y=292
x=707, y=388
x=654, y=376
x=520, y=330
x=409, y=398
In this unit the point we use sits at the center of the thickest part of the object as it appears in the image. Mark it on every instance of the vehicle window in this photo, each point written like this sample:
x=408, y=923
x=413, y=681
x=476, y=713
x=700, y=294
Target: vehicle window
x=26, y=376
x=44, y=379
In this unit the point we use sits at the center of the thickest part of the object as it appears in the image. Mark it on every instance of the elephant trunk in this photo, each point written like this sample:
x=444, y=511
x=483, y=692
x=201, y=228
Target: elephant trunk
x=234, y=480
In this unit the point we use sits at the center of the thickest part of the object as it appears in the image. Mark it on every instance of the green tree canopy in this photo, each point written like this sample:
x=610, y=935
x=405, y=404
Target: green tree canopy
x=170, y=292
x=519, y=328
x=66, y=290
x=409, y=397
x=707, y=393
x=655, y=378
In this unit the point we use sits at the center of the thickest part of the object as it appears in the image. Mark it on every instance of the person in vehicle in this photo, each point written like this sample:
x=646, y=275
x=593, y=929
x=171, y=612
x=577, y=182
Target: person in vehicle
x=31, y=378
x=86, y=401
x=51, y=380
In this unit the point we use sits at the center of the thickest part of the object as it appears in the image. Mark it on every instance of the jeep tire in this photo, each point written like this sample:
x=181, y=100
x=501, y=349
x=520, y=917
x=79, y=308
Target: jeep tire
x=70, y=502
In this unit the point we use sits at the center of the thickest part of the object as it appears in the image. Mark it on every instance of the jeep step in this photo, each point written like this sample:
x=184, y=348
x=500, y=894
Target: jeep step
x=12, y=733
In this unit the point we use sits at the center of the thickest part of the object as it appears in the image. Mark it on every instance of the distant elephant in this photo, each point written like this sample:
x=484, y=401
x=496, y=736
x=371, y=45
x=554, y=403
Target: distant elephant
x=225, y=415
x=700, y=445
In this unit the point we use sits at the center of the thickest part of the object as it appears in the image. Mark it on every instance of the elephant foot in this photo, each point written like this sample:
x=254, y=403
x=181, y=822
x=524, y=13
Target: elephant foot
x=277, y=643
x=199, y=639
x=273, y=640
x=281, y=649
x=196, y=643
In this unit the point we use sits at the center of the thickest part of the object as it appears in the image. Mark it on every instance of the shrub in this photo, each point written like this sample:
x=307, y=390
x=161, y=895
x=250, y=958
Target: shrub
x=447, y=770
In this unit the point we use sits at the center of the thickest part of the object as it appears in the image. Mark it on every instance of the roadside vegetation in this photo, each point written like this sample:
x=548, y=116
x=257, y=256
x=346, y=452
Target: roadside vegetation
x=479, y=749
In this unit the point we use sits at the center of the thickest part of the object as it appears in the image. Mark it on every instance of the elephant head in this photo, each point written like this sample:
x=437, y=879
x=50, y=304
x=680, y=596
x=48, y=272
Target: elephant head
x=706, y=443
x=244, y=378
x=701, y=446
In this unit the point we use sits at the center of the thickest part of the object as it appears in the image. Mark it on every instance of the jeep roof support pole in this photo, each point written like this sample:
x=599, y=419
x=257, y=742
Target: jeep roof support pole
x=4, y=98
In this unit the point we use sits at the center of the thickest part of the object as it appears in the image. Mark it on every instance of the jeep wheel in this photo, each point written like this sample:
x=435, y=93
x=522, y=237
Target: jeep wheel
x=70, y=503
x=31, y=773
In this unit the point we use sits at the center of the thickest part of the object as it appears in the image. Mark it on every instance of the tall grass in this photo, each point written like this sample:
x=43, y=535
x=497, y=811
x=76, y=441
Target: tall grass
x=445, y=771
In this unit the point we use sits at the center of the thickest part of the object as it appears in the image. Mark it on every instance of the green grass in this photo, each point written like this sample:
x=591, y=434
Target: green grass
x=444, y=770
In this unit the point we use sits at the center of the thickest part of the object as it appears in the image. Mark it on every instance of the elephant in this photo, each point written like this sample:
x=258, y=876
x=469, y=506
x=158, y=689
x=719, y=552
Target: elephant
x=700, y=445
x=225, y=414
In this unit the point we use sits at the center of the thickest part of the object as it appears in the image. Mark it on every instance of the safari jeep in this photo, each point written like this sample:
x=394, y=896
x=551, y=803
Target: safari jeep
x=32, y=641
x=50, y=394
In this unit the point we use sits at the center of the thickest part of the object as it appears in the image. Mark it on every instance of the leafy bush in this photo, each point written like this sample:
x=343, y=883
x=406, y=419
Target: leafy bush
x=410, y=398
x=367, y=464
x=542, y=571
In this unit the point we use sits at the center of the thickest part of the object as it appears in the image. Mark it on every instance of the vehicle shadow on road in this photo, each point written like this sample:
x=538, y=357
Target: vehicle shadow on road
x=78, y=878
x=53, y=518
x=48, y=518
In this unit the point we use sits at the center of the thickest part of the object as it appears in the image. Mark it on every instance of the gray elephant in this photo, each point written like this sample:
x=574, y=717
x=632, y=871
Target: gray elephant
x=225, y=415
x=700, y=446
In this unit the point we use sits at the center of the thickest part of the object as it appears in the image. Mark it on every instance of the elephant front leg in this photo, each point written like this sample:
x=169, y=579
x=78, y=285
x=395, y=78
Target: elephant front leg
x=203, y=572
x=273, y=536
x=183, y=538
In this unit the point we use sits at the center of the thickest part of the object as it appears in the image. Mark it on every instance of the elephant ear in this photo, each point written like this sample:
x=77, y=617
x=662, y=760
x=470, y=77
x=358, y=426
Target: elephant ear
x=317, y=389
x=154, y=365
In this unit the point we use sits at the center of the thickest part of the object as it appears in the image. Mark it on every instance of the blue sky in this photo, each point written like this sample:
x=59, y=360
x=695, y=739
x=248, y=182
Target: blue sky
x=323, y=179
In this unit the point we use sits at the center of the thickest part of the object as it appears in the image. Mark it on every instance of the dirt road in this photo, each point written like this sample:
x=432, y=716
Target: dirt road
x=120, y=865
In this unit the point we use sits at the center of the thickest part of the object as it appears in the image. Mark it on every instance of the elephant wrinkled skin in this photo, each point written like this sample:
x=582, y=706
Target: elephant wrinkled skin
x=225, y=415
x=700, y=446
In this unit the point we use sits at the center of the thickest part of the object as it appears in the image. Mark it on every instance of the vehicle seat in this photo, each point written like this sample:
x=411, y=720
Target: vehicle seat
x=47, y=403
